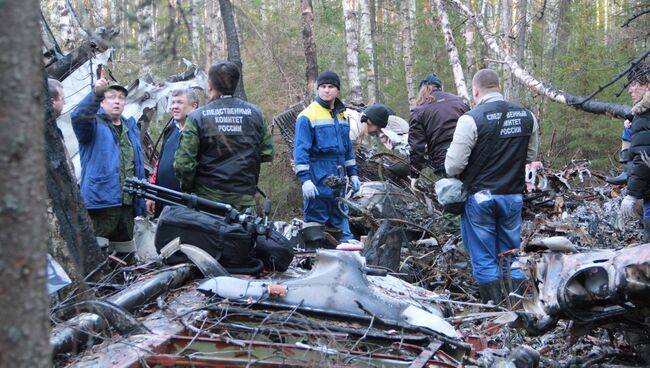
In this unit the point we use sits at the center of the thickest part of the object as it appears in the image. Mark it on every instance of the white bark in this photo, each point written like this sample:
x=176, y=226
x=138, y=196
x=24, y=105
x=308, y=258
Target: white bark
x=68, y=34
x=506, y=32
x=196, y=39
x=214, y=34
x=352, y=52
x=452, y=51
x=552, y=17
x=470, y=52
x=407, y=50
x=367, y=40
x=145, y=35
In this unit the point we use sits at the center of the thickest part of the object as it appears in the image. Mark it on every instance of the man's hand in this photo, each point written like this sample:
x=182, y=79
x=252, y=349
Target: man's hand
x=151, y=207
x=309, y=190
x=630, y=207
x=101, y=87
x=356, y=183
x=627, y=124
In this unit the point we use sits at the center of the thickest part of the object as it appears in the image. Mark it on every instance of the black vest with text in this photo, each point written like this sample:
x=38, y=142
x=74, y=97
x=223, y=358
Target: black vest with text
x=230, y=134
x=498, y=160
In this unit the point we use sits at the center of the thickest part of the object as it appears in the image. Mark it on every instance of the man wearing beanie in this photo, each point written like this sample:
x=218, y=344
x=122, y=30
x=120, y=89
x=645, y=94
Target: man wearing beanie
x=322, y=146
x=431, y=126
x=376, y=118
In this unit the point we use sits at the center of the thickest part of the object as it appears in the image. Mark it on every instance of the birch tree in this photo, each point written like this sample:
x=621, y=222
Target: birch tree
x=536, y=86
x=452, y=51
x=552, y=18
x=24, y=333
x=367, y=40
x=67, y=31
x=311, y=68
x=470, y=54
x=352, y=52
x=407, y=50
x=506, y=32
x=232, y=39
x=145, y=36
x=214, y=34
x=194, y=25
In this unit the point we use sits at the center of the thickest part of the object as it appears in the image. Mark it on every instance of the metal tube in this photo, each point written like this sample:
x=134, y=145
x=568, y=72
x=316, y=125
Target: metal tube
x=77, y=329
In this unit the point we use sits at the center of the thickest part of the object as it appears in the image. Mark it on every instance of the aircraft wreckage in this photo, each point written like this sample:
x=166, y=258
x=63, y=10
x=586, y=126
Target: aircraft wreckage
x=406, y=300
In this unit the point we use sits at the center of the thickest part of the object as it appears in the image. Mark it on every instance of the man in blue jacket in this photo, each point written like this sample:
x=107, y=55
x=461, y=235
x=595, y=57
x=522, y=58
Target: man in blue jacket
x=110, y=150
x=323, y=150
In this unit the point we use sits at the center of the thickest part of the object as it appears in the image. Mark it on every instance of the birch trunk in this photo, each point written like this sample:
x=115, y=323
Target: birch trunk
x=552, y=19
x=592, y=106
x=367, y=40
x=311, y=68
x=196, y=39
x=68, y=34
x=24, y=333
x=214, y=35
x=352, y=53
x=506, y=32
x=232, y=39
x=145, y=36
x=452, y=51
x=407, y=51
x=522, y=32
x=470, y=52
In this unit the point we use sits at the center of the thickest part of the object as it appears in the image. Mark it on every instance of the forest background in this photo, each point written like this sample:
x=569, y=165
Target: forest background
x=381, y=49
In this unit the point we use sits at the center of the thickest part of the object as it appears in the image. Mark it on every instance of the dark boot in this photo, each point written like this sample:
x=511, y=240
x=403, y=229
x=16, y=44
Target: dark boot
x=622, y=178
x=491, y=291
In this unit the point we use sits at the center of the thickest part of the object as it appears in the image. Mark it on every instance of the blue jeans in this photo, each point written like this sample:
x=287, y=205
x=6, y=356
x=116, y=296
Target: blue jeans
x=491, y=225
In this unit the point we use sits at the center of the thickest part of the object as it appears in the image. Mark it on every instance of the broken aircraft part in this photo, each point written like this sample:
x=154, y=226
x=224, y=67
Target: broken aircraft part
x=335, y=286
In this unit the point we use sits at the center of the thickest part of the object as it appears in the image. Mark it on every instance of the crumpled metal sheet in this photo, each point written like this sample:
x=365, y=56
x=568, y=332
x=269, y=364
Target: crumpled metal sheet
x=591, y=286
x=336, y=286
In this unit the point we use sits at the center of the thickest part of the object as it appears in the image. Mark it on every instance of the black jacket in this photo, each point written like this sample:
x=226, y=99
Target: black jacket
x=638, y=182
x=431, y=129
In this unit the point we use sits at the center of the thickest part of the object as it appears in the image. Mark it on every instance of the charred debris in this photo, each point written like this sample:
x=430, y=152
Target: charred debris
x=406, y=300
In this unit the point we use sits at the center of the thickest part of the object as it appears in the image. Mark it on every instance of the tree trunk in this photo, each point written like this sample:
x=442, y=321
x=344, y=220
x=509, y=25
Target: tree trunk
x=230, y=28
x=522, y=32
x=311, y=69
x=592, y=106
x=196, y=40
x=214, y=35
x=352, y=53
x=552, y=19
x=506, y=32
x=470, y=52
x=68, y=34
x=407, y=51
x=24, y=333
x=145, y=36
x=452, y=51
x=368, y=41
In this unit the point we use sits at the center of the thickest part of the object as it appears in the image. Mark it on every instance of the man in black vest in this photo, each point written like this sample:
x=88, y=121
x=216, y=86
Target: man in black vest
x=223, y=144
x=489, y=151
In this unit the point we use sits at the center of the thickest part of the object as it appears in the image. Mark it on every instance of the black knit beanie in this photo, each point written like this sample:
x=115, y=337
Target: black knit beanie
x=378, y=114
x=328, y=77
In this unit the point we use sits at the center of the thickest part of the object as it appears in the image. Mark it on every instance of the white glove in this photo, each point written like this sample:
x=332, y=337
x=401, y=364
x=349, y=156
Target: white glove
x=356, y=183
x=629, y=207
x=309, y=190
x=414, y=182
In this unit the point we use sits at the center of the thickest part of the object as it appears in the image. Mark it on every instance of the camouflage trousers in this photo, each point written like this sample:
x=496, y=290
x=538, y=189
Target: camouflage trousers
x=115, y=224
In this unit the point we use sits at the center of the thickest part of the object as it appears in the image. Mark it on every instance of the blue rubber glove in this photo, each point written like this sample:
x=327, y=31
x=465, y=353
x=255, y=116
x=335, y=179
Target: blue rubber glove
x=309, y=190
x=356, y=183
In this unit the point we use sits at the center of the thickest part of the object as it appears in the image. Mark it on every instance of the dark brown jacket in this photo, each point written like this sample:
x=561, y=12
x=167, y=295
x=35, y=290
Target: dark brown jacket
x=431, y=129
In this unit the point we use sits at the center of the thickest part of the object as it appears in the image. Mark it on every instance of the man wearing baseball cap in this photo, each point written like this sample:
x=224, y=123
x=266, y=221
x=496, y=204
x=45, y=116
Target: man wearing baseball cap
x=323, y=150
x=110, y=150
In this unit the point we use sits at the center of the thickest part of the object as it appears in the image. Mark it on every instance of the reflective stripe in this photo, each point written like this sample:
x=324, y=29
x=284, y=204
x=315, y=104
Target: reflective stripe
x=350, y=162
x=321, y=122
x=302, y=167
